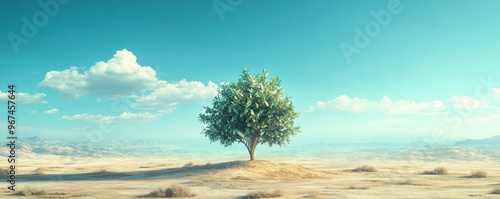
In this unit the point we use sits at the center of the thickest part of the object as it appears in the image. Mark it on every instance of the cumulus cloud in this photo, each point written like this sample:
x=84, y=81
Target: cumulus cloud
x=25, y=98
x=345, y=103
x=168, y=95
x=123, y=117
x=123, y=77
x=409, y=107
x=118, y=77
x=51, y=111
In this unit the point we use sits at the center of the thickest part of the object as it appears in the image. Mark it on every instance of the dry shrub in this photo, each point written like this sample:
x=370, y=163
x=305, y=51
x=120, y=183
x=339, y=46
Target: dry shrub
x=160, y=193
x=242, y=178
x=365, y=168
x=357, y=187
x=104, y=172
x=41, y=171
x=4, y=172
x=32, y=191
x=101, y=171
x=437, y=171
x=189, y=164
x=408, y=182
x=262, y=194
x=174, y=191
x=496, y=191
x=59, y=194
x=477, y=174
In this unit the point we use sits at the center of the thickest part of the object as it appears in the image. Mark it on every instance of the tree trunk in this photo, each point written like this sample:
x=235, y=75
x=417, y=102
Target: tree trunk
x=251, y=155
x=251, y=151
x=253, y=144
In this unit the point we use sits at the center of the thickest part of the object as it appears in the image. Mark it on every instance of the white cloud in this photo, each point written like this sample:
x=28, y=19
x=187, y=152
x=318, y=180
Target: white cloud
x=120, y=76
x=33, y=111
x=123, y=117
x=409, y=107
x=168, y=95
x=345, y=103
x=51, y=111
x=496, y=92
x=396, y=121
x=489, y=119
x=390, y=121
x=25, y=98
x=468, y=103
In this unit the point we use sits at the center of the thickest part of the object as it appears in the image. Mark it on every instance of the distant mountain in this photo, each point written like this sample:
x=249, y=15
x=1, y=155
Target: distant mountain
x=467, y=150
x=492, y=141
x=34, y=138
x=106, y=148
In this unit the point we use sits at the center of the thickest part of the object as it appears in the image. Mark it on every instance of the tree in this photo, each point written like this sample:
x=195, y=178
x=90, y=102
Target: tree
x=251, y=111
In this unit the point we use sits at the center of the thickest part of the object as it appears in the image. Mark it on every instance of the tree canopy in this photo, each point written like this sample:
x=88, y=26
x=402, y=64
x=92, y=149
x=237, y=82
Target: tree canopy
x=252, y=111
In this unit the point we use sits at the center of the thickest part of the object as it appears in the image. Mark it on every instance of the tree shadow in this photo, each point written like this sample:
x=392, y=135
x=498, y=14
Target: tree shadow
x=179, y=172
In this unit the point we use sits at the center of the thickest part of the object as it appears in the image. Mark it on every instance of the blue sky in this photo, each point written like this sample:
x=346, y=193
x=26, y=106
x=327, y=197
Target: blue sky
x=412, y=70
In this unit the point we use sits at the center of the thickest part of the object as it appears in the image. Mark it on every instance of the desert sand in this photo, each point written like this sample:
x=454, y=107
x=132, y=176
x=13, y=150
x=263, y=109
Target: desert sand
x=224, y=177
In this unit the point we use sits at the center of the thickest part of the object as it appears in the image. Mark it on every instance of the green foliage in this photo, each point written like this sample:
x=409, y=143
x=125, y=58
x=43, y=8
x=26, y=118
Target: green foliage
x=252, y=111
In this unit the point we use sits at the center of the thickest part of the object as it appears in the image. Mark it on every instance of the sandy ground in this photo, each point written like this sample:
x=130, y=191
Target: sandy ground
x=296, y=177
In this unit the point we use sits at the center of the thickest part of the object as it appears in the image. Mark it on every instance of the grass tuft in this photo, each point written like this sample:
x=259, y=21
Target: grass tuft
x=365, y=168
x=32, y=191
x=242, y=178
x=437, y=171
x=262, y=194
x=41, y=171
x=408, y=182
x=159, y=193
x=103, y=172
x=357, y=187
x=4, y=172
x=496, y=191
x=174, y=191
x=477, y=174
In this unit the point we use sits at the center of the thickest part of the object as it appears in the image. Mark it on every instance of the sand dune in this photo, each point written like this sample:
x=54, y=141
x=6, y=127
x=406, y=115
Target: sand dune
x=69, y=170
x=297, y=177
